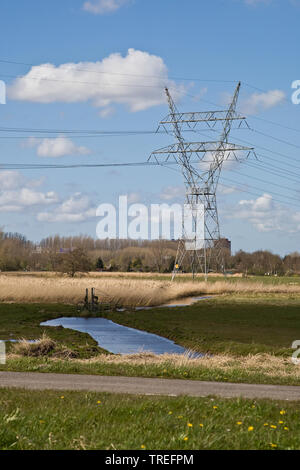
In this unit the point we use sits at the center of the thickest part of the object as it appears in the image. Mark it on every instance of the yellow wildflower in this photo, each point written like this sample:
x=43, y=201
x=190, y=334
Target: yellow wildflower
x=250, y=428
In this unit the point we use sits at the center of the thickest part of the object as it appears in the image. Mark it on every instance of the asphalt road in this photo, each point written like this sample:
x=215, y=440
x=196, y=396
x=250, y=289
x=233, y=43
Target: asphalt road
x=145, y=386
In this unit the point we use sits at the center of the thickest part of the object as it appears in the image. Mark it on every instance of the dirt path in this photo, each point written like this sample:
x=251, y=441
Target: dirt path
x=145, y=386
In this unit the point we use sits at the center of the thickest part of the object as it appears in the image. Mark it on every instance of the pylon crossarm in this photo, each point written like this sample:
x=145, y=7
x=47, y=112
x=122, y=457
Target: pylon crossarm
x=210, y=118
x=200, y=147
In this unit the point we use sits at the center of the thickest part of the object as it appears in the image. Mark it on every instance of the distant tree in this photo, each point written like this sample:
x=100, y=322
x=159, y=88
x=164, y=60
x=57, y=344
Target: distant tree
x=137, y=264
x=99, y=264
x=75, y=261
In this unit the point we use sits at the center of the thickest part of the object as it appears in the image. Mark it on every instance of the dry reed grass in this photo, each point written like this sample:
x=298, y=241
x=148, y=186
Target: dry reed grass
x=41, y=347
x=123, y=291
x=266, y=364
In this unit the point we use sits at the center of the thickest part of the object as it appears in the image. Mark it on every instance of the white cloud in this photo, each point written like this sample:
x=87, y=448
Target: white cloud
x=77, y=208
x=133, y=197
x=136, y=81
x=267, y=215
x=107, y=112
x=17, y=193
x=262, y=101
x=17, y=200
x=224, y=189
x=172, y=192
x=101, y=7
x=57, y=147
x=10, y=180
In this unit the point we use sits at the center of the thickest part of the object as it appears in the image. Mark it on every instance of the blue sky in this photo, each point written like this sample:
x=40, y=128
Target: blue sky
x=211, y=45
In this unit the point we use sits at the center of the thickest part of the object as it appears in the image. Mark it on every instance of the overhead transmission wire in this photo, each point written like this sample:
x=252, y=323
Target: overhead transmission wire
x=140, y=132
x=165, y=79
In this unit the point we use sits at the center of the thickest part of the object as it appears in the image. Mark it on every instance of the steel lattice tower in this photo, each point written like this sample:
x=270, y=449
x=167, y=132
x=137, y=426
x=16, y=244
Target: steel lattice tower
x=201, y=185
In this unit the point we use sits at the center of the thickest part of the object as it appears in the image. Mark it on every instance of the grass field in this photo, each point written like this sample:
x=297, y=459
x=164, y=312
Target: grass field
x=235, y=324
x=128, y=290
x=18, y=321
x=79, y=420
x=249, y=338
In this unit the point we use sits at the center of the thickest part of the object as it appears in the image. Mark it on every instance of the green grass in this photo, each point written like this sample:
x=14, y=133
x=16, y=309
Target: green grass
x=233, y=324
x=236, y=374
x=76, y=420
x=293, y=280
x=19, y=321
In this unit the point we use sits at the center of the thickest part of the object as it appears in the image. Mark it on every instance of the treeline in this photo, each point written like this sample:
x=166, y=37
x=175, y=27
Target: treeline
x=54, y=253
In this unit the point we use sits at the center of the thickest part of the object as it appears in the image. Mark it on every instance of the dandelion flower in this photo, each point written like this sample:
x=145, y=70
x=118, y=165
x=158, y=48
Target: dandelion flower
x=62, y=397
x=250, y=428
x=215, y=407
x=143, y=447
x=282, y=412
x=273, y=426
x=273, y=445
x=190, y=425
x=170, y=412
x=266, y=424
x=201, y=425
x=185, y=438
x=239, y=423
x=285, y=428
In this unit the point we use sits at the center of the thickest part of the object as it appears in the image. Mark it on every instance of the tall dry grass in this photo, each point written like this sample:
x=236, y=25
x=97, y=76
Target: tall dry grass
x=41, y=347
x=266, y=365
x=128, y=292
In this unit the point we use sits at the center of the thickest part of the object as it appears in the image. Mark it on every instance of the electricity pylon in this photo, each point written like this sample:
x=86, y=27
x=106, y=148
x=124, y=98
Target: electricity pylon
x=201, y=184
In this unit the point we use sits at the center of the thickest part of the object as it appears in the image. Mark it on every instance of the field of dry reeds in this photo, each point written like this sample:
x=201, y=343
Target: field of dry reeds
x=126, y=291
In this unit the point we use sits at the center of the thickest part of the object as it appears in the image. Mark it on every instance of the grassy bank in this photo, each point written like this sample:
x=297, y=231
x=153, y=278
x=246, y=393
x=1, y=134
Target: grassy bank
x=234, y=324
x=18, y=321
x=80, y=420
x=229, y=324
x=263, y=368
x=247, y=339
